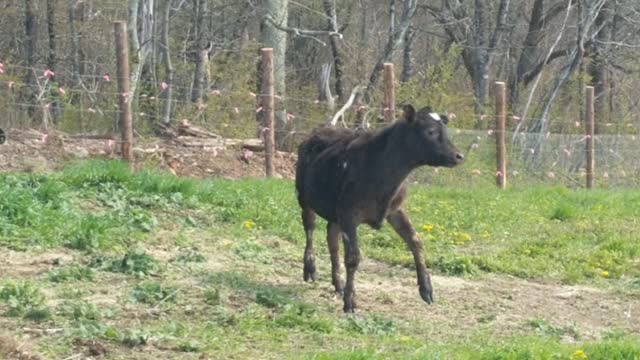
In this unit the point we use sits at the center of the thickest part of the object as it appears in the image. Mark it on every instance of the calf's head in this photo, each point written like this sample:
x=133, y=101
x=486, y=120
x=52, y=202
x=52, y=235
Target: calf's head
x=425, y=135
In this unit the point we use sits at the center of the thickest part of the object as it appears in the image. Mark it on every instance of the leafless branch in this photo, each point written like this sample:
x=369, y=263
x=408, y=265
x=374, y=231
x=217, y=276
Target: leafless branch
x=302, y=32
x=347, y=105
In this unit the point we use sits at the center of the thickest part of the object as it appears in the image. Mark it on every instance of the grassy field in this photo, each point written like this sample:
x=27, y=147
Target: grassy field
x=101, y=263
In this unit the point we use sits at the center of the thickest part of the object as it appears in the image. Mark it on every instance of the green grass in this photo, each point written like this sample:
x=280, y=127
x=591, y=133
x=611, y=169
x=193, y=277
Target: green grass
x=195, y=267
x=538, y=232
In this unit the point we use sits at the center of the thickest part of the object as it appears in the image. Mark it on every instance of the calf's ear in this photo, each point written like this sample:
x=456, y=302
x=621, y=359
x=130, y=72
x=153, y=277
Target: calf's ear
x=409, y=113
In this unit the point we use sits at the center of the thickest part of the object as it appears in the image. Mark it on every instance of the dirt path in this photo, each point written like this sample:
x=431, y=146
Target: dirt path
x=504, y=305
x=493, y=304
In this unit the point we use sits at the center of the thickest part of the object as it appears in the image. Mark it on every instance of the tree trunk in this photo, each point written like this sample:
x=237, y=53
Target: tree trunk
x=134, y=43
x=598, y=68
x=31, y=32
x=202, y=51
x=51, y=30
x=480, y=73
x=141, y=44
x=166, y=51
x=408, y=11
x=330, y=10
x=82, y=56
x=324, y=87
x=407, y=56
x=75, y=42
x=271, y=37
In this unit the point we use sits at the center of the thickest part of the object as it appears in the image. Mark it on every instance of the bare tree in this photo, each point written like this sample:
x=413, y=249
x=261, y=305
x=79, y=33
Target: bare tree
x=407, y=56
x=51, y=30
x=396, y=35
x=330, y=10
x=599, y=67
x=31, y=33
x=480, y=43
x=75, y=42
x=272, y=35
x=533, y=56
x=141, y=43
x=202, y=49
x=168, y=66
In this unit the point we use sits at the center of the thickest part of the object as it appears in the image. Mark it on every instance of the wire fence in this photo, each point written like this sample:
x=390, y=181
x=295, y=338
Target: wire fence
x=534, y=158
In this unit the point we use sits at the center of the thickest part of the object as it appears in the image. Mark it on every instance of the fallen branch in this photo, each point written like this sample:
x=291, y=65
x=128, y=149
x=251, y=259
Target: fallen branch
x=92, y=136
x=186, y=129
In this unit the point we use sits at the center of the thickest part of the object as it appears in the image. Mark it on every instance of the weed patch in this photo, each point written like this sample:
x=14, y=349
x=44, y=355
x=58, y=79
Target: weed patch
x=152, y=292
x=71, y=273
x=23, y=299
x=134, y=262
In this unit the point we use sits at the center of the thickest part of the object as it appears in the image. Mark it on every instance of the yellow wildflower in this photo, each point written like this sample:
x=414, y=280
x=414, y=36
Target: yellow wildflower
x=604, y=273
x=427, y=227
x=579, y=355
x=460, y=238
x=248, y=224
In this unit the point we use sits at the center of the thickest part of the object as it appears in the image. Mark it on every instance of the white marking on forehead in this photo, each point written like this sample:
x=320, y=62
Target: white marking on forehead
x=344, y=165
x=435, y=116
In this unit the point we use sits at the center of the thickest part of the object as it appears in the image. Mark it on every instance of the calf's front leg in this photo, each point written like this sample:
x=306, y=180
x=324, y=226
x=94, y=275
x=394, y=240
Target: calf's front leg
x=402, y=225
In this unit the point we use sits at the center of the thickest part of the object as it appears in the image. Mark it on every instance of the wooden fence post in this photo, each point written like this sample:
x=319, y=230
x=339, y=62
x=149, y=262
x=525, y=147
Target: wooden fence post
x=267, y=105
x=389, y=105
x=501, y=149
x=124, y=96
x=589, y=125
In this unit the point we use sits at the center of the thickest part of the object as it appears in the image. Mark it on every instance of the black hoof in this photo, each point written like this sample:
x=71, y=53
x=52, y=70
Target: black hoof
x=339, y=287
x=309, y=271
x=349, y=305
x=427, y=295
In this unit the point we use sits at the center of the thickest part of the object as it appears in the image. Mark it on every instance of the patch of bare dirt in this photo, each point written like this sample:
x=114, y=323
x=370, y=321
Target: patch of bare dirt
x=92, y=348
x=34, y=151
x=11, y=349
x=24, y=264
x=504, y=305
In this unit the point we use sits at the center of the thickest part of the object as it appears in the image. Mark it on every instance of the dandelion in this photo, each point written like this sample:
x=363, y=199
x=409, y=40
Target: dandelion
x=604, y=273
x=427, y=227
x=248, y=224
x=460, y=238
x=579, y=355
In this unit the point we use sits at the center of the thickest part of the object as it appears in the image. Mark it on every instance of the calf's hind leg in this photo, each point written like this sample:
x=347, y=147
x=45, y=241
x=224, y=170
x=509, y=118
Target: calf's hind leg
x=402, y=225
x=309, y=224
x=351, y=262
x=333, y=241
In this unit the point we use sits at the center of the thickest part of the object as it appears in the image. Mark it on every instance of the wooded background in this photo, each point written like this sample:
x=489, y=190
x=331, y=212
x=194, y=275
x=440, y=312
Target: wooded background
x=198, y=60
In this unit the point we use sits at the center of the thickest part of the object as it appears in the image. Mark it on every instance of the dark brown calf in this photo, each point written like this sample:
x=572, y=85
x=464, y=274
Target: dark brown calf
x=350, y=178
